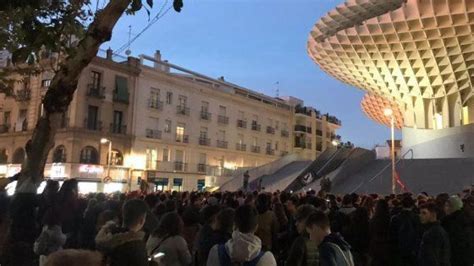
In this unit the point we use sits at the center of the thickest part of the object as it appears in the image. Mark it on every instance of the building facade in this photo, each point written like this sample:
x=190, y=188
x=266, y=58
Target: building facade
x=170, y=126
x=413, y=56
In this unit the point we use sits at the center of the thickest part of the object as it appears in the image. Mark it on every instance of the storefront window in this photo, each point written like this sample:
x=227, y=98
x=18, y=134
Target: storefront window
x=177, y=184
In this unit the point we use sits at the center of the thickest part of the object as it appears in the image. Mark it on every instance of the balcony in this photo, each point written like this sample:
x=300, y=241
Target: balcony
x=270, y=130
x=182, y=110
x=319, y=132
x=205, y=115
x=204, y=141
x=202, y=168
x=182, y=138
x=300, y=128
x=300, y=144
x=4, y=128
x=241, y=123
x=156, y=105
x=222, y=144
x=333, y=120
x=95, y=125
x=241, y=147
x=153, y=133
x=255, y=149
x=255, y=126
x=180, y=166
x=303, y=110
x=270, y=151
x=221, y=119
x=121, y=97
x=96, y=92
x=152, y=164
x=285, y=133
x=117, y=128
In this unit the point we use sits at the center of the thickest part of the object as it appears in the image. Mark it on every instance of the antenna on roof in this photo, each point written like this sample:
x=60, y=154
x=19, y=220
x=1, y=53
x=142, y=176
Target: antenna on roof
x=128, y=51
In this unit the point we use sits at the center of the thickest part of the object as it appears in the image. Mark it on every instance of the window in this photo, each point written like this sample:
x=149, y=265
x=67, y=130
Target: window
x=6, y=118
x=59, y=154
x=45, y=83
x=203, y=133
x=18, y=156
x=22, y=122
x=92, y=117
x=117, y=124
x=179, y=156
x=167, y=128
x=169, y=97
x=121, y=89
x=202, y=158
x=201, y=183
x=276, y=145
x=166, y=155
x=285, y=126
x=116, y=157
x=277, y=125
x=241, y=115
x=255, y=141
x=154, y=95
x=95, y=79
x=151, y=159
x=89, y=155
x=269, y=145
x=183, y=100
x=222, y=110
x=177, y=184
x=180, y=132
x=204, y=107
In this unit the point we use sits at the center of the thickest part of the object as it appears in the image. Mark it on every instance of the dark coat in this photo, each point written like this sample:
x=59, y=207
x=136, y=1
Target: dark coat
x=331, y=256
x=122, y=247
x=405, y=237
x=460, y=229
x=302, y=253
x=434, y=248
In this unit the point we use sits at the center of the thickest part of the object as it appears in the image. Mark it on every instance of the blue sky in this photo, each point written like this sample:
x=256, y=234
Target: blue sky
x=254, y=43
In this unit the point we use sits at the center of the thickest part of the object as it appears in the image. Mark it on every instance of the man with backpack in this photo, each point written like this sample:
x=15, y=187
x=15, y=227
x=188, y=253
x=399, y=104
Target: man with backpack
x=333, y=249
x=405, y=234
x=245, y=248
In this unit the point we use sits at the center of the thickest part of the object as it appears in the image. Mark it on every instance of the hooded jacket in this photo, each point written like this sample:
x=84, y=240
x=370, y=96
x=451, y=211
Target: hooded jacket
x=335, y=251
x=242, y=248
x=122, y=247
x=460, y=229
x=434, y=248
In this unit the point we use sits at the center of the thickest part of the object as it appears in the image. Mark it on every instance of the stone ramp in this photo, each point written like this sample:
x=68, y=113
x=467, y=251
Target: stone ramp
x=433, y=176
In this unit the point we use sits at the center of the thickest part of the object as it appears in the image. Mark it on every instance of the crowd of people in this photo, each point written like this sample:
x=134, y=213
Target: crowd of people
x=242, y=228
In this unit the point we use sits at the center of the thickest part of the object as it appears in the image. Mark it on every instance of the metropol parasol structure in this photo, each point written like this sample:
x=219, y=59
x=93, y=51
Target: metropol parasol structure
x=415, y=57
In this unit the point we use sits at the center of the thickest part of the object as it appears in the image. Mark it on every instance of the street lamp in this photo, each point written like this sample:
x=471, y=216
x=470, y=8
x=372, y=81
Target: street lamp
x=109, y=155
x=335, y=142
x=389, y=112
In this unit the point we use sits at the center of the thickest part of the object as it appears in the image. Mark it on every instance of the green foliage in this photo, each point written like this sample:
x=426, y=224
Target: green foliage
x=32, y=29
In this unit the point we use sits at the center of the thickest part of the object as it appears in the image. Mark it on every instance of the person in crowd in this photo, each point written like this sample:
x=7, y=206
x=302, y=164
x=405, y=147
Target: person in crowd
x=69, y=211
x=358, y=236
x=405, y=233
x=460, y=231
x=191, y=226
x=124, y=245
x=167, y=240
x=434, y=248
x=51, y=238
x=333, y=249
x=204, y=239
x=47, y=199
x=379, y=242
x=303, y=251
x=267, y=222
x=245, y=246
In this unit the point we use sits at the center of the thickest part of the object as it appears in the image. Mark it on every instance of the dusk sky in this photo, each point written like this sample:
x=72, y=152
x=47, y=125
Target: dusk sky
x=255, y=44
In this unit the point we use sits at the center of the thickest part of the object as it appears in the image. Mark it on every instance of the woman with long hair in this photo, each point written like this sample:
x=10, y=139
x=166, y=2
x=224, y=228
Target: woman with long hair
x=168, y=242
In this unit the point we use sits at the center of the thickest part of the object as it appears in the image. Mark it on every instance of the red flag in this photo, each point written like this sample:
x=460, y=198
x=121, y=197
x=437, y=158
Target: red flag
x=399, y=182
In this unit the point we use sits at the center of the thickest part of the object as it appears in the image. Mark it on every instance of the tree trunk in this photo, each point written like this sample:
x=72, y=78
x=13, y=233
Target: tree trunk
x=60, y=94
x=22, y=231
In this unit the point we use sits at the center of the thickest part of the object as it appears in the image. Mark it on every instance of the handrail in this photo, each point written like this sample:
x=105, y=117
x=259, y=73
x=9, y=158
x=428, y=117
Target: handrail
x=330, y=160
x=385, y=168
